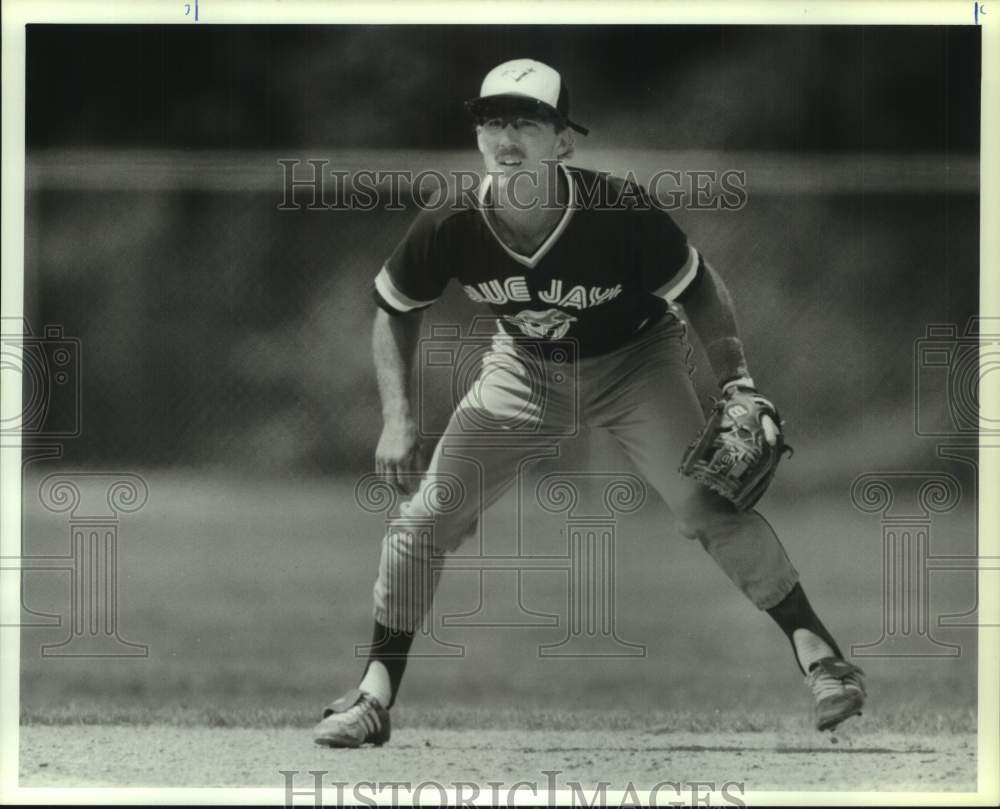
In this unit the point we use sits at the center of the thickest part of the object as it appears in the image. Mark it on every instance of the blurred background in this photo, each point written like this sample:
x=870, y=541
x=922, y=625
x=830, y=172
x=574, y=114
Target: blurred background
x=224, y=343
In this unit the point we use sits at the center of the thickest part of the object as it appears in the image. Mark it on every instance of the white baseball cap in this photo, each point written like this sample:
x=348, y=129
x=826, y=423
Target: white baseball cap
x=524, y=85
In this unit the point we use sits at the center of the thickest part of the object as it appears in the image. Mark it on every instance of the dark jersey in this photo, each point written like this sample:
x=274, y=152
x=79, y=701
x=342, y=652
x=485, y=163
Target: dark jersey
x=609, y=268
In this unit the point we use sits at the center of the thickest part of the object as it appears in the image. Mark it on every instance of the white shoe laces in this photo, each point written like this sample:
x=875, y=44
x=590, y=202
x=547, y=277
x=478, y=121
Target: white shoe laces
x=825, y=685
x=364, y=714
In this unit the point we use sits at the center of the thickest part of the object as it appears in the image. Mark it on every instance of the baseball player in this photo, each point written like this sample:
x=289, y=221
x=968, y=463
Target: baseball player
x=557, y=268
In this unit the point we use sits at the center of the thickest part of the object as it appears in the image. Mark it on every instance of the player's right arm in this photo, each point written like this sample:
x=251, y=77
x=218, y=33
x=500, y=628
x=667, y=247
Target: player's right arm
x=394, y=342
x=411, y=280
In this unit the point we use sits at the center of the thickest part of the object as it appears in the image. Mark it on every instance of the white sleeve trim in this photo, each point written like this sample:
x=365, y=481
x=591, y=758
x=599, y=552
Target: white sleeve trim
x=682, y=278
x=390, y=293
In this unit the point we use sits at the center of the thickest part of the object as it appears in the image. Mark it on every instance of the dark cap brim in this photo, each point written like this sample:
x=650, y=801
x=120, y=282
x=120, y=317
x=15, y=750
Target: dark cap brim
x=490, y=106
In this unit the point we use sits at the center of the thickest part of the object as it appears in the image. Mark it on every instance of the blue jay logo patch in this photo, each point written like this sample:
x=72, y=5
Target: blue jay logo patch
x=548, y=325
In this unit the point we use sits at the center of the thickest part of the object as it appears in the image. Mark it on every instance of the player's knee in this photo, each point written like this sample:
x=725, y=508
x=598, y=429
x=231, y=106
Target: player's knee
x=422, y=538
x=412, y=539
x=702, y=513
x=438, y=517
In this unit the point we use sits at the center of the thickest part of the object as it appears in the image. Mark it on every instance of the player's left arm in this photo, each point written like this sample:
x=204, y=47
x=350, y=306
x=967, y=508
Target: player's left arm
x=674, y=270
x=711, y=312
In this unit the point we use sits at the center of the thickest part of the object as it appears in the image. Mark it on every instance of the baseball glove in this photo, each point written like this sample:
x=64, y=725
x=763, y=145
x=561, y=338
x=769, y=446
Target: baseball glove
x=731, y=453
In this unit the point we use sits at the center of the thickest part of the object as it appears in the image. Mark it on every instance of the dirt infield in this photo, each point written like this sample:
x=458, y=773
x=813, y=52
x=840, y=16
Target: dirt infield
x=95, y=755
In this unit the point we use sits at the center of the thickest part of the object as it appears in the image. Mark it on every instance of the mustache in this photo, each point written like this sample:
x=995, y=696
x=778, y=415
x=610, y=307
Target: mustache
x=508, y=153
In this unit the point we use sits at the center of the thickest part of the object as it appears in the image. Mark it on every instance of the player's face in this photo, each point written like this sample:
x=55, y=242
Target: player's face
x=512, y=144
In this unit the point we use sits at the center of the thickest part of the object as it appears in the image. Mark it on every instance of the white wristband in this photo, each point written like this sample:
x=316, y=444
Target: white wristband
x=739, y=382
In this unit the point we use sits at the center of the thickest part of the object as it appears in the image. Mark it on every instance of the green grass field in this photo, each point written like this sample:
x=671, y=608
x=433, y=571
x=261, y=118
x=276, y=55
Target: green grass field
x=251, y=595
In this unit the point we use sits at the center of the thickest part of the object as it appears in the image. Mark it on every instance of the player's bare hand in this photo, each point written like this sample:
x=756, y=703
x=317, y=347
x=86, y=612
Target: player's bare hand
x=398, y=456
